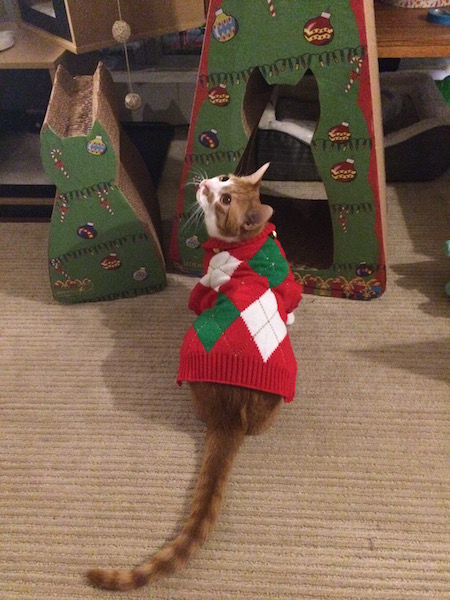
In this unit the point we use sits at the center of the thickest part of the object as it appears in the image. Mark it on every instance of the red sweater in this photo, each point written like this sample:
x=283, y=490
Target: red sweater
x=240, y=336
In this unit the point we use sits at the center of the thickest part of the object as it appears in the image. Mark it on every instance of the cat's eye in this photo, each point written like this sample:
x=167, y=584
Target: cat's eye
x=224, y=178
x=225, y=199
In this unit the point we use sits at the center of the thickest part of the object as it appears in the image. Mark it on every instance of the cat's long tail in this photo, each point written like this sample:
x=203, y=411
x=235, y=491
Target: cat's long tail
x=220, y=449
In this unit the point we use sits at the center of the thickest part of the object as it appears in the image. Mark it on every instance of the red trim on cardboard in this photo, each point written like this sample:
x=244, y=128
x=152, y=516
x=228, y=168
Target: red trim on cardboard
x=365, y=104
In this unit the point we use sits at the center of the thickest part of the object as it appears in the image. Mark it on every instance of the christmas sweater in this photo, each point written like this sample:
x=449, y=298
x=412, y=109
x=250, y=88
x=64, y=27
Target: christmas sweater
x=243, y=299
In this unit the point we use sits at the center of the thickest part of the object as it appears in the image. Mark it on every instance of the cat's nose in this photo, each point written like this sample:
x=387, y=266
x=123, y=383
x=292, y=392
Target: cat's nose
x=204, y=186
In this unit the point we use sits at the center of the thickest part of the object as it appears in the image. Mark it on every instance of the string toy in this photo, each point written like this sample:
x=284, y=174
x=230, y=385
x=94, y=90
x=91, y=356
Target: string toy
x=121, y=32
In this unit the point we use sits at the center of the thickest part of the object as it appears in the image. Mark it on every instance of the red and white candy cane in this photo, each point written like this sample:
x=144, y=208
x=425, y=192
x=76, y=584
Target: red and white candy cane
x=343, y=218
x=63, y=206
x=104, y=201
x=57, y=265
x=56, y=157
x=273, y=12
x=355, y=74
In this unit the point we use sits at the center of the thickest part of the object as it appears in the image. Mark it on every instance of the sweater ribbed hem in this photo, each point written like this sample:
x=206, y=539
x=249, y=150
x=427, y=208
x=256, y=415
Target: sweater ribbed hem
x=236, y=370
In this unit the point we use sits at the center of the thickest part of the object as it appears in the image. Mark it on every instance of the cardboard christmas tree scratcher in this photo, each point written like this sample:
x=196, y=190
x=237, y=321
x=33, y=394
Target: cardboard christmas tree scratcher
x=249, y=48
x=103, y=240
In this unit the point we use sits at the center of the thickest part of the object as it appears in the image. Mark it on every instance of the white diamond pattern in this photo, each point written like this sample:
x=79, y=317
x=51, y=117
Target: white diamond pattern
x=265, y=324
x=220, y=269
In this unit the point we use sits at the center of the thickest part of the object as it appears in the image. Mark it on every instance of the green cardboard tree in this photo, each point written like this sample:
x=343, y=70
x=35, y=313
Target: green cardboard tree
x=103, y=240
x=251, y=46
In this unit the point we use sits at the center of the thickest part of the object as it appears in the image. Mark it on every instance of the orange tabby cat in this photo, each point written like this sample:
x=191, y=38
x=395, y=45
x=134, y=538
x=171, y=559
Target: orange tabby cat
x=236, y=357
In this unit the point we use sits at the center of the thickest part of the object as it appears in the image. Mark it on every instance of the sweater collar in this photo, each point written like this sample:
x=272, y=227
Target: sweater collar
x=218, y=244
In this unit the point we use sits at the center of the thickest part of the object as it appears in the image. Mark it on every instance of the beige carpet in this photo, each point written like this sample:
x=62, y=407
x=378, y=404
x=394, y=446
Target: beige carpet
x=346, y=497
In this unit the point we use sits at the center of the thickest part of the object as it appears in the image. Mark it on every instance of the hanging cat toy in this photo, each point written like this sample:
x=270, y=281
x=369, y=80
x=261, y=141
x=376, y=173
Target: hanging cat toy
x=121, y=32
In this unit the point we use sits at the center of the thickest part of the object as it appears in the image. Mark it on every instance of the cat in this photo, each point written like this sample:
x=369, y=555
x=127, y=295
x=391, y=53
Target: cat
x=236, y=357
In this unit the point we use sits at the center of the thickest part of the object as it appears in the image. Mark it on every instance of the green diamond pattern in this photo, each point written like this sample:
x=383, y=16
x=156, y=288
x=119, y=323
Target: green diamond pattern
x=211, y=324
x=269, y=263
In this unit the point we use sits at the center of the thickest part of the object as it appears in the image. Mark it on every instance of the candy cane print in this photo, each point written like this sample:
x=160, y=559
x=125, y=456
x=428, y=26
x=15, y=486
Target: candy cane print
x=273, y=12
x=55, y=154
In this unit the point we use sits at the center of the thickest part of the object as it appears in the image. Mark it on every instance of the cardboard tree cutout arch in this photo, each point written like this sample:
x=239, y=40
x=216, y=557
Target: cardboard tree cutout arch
x=251, y=44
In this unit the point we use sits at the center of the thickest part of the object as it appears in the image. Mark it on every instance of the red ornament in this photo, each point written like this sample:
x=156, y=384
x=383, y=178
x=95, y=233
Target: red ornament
x=319, y=31
x=219, y=95
x=111, y=262
x=344, y=172
x=340, y=134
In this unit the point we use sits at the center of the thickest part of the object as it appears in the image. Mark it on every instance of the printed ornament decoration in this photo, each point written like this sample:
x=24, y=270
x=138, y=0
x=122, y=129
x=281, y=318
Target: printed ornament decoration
x=141, y=274
x=87, y=232
x=344, y=172
x=111, y=262
x=340, y=134
x=219, y=95
x=319, y=31
x=225, y=26
x=96, y=146
x=364, y=270
x=193, y=242
x=209, y=139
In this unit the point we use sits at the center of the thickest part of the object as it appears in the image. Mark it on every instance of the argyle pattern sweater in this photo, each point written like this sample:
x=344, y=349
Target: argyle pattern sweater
x=242, y=301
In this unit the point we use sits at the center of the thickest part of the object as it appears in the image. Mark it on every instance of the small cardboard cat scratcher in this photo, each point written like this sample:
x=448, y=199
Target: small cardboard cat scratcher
x=249, y=49
x=103, y=238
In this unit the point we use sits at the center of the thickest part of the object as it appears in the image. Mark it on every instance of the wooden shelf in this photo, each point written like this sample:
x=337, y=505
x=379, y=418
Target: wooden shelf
x=406, y=33
x=30, y=51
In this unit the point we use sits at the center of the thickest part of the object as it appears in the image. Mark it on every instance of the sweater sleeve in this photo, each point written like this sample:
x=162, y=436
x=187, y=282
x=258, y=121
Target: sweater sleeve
x=289, y=290
x=201, y=298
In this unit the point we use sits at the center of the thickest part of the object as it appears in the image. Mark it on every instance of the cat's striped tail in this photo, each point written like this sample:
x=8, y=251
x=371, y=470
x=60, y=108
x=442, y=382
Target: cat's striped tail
x=220, y=449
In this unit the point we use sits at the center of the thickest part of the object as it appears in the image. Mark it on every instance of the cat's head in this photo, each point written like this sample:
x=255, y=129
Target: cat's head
x=232, y=206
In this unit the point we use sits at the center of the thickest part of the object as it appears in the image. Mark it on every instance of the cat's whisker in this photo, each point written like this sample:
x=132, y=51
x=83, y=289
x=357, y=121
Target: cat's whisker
x=193, y=207
x=199, y=174
x=195, y=218
x=197, y=178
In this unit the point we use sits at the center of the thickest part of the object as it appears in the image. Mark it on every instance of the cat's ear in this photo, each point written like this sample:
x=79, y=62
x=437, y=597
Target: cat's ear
x=257, y=176
x=257, y=216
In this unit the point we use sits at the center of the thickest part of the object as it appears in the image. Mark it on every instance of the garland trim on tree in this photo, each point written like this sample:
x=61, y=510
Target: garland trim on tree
x=293, y=63
x=214, y=157
x=352, y=144
x=99, y=248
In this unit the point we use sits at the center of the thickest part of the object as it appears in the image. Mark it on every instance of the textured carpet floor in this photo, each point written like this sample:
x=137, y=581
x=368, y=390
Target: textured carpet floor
x=346, y=497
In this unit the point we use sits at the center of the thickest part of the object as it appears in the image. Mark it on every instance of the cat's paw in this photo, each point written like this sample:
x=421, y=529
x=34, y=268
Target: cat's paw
x=290, y=318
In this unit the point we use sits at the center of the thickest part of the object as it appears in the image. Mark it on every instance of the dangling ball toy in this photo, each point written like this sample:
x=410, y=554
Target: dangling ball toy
x=121, y=32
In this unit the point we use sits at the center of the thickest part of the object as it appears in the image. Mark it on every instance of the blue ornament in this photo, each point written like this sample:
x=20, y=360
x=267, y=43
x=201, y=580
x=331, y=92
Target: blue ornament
x=87, y=232
x=209, y=139
x=364, y=270
x=141, y=274
x=96, y=146
x=193, y=242
x=225, y=26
